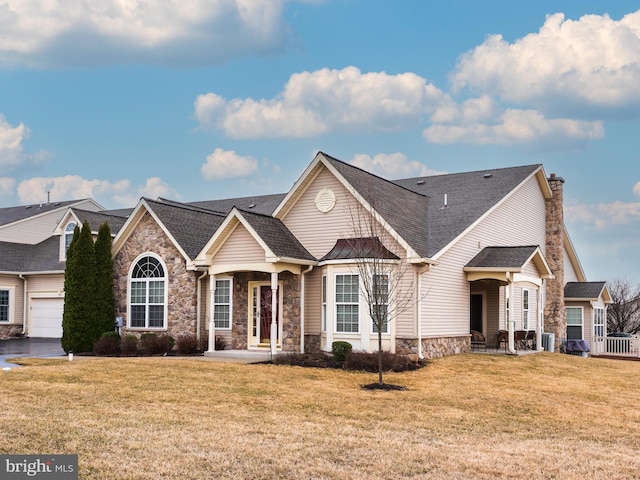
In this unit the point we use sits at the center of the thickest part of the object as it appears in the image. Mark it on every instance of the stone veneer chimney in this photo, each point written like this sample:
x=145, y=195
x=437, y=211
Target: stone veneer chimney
x=555, y=318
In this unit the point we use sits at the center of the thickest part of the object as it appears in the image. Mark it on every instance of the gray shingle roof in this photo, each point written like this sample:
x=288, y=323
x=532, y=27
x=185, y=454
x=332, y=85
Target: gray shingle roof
x=353, y=248
x=191, y=226
x=405, y=210
x=277, y=236
x=263, y=204
x=23, y=258
x=13, y=214
x=96, y=219
x=469, y=196
x=586, y=290
x=502, y=257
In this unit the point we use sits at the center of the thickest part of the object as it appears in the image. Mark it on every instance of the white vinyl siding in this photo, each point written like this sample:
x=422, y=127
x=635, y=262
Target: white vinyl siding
x=240, y=248
x=570, y=274
x=445, y=305
x=312, y=302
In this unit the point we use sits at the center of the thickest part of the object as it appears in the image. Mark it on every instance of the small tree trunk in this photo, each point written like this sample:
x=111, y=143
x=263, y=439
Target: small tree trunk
x=380, y=355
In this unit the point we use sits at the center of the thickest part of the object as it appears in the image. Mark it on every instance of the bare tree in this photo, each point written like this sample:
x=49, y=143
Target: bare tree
x=623, y=314
x=383, y=276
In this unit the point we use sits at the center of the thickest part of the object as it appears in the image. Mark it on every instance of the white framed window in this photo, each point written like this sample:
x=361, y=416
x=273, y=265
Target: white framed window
x=575, y=324
x=347, y=303
x=222, y=305
x=4, y=305
x=148, y=293
x=598, y=322
x=380, y=284
x=324, y=303
x=525, y=309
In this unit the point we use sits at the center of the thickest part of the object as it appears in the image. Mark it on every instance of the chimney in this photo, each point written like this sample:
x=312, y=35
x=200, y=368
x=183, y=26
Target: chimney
x=555, y=318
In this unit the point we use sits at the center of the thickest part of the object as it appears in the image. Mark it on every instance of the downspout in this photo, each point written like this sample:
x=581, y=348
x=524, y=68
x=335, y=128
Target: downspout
x=302, y=274
x=24, y=304
x=199, y=306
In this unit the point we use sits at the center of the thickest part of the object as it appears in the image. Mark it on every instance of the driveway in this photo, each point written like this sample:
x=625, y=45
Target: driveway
x=28, y=347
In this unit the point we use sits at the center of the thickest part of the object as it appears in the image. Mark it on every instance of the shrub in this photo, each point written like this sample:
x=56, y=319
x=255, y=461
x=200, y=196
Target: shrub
x=154, y=344
x=129, y=344
x=314, y=359
x=369, y=362
x=107, y=344
x=220, y=343
x=186, y=344
x=340, y=350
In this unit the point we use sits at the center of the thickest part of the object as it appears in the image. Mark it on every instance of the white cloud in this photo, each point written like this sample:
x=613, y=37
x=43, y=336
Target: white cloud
x=74, y=187
x=313, y=103
x=636, y=189
x=513, y=127
x=567, y=66
x=228, y=164
x=85, y=32
x=11, y=138
x=604, y=215
x=6, y=186
x=392, y=165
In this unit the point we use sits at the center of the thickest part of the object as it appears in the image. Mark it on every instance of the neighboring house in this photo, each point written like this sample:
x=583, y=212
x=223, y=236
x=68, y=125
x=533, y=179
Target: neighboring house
x=486, y=250
x=586, y=307
x=33, y=242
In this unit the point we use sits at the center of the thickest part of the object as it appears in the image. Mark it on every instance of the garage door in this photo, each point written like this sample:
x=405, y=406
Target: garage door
x=46, y=317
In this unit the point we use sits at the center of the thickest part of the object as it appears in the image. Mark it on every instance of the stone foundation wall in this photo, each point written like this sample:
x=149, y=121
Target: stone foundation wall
x=406, y=346
x=443, y=346
x=10, y=331
x=181, y=283
x=312, y=343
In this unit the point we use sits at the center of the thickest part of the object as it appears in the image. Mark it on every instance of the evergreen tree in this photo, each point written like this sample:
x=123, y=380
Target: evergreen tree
x=104, y=299
x=79, y=318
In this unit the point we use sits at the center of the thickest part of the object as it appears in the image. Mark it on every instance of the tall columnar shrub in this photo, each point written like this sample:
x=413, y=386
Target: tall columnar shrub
x=79, y=316
x=104, y=299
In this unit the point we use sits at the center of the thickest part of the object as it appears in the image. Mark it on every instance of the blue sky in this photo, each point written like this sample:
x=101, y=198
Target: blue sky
x=195, y=100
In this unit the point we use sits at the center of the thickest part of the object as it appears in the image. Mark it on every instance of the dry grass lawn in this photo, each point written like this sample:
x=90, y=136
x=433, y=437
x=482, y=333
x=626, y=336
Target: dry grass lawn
x=461, y=417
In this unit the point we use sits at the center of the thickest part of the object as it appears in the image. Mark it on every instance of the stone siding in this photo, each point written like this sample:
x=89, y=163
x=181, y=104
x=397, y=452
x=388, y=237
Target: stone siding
x=148, y=237
x=10, y=331
x=442, y=346
x=555, y=319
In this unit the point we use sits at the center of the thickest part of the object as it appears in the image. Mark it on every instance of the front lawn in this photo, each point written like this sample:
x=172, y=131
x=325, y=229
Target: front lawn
x=466, y=416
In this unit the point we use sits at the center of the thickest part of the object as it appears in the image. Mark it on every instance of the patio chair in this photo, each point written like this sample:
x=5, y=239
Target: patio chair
x=478, y=341
x=503, y=337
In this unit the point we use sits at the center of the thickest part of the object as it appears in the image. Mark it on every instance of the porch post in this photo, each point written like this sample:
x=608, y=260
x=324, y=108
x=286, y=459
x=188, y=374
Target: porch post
x=540, y=318
x=212, y=325
x=274, y=312
x=510, y=322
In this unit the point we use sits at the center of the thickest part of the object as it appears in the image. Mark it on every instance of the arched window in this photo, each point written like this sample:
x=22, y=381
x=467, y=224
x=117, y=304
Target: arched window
x=68, y=235
x=147, y=294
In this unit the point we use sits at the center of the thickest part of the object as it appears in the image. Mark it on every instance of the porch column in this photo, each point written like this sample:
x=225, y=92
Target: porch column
x=274, y=312
x=540, y=318
x=212, y=325
x=509, y=316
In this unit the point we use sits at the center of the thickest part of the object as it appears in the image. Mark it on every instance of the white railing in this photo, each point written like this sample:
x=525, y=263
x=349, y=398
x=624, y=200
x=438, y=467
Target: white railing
x=621, y=346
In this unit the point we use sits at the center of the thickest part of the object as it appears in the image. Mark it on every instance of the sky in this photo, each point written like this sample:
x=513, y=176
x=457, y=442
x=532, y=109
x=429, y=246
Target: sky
x=200, y=99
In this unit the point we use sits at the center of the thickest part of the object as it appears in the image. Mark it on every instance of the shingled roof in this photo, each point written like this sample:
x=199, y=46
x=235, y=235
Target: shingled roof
x=96, y=219
x=190, y=226
x=277, y=236
x=469, y=196
x=583, y=290
x=24, y=258
x=14, y=214
x=263, y=204
x=502, y=257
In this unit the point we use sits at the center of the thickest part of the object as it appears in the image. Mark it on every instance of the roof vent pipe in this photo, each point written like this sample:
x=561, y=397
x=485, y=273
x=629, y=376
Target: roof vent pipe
x=445, y=204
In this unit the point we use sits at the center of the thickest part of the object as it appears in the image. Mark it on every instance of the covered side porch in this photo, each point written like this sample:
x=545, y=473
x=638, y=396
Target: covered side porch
x=506, y=287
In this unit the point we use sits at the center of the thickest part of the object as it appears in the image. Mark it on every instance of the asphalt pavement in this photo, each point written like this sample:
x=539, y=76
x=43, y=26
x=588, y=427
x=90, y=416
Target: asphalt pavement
x=28, y=347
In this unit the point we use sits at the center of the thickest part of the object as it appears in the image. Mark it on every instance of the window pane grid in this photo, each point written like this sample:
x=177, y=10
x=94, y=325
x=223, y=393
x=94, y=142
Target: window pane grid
x=222, y=304
x=4, y=305
x=147, y=294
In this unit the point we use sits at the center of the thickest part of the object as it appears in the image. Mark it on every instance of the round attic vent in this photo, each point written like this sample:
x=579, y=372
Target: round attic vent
x=325, y=200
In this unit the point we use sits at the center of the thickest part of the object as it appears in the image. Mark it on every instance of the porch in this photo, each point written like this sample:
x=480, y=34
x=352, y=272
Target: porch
x=617, y=346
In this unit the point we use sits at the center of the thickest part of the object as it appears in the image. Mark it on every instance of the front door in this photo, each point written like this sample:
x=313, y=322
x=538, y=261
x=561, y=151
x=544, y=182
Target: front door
x=475, y=315
x=261, y=318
